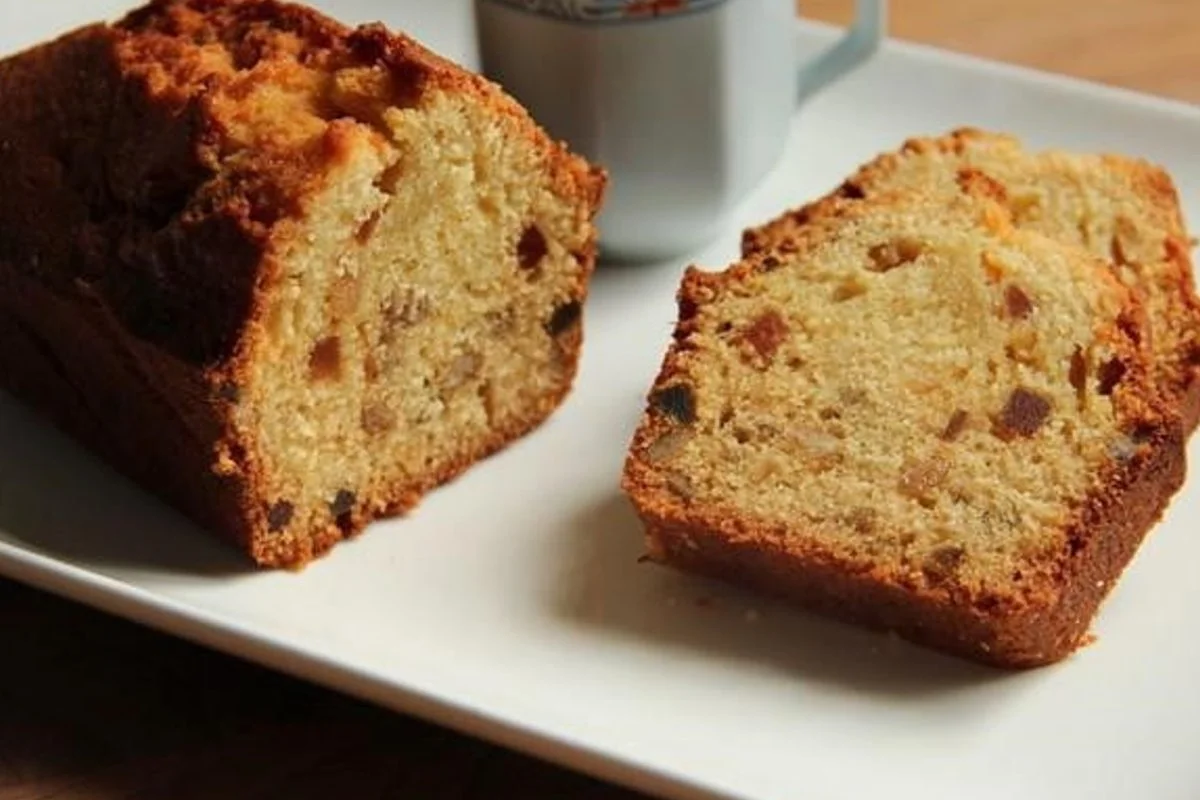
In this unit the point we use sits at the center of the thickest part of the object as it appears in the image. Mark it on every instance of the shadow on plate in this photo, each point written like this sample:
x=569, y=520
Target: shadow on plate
x=670, y=609
x=60, y=501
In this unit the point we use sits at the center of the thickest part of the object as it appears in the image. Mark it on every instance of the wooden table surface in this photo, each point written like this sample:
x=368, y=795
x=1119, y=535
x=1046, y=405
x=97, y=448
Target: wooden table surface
x=94, y=707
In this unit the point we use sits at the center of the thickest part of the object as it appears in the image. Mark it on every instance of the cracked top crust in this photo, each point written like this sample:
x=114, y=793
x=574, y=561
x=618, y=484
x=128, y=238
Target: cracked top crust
x=208, y=125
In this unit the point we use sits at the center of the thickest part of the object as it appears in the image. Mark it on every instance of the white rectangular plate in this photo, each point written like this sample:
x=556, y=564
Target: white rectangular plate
x=511, y=604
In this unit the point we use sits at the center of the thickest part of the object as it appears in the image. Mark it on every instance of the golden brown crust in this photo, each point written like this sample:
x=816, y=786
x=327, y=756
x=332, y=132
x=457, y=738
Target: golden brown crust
x=1148, y=182
x=1037, y=623
x=139, y=409
x=1187, y=386
x=141, y=222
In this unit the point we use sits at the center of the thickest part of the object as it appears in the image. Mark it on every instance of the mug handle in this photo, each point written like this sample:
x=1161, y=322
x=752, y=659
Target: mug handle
x=859, y=43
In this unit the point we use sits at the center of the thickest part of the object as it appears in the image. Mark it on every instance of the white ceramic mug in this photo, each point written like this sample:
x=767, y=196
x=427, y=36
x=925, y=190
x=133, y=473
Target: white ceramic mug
x=687, y=103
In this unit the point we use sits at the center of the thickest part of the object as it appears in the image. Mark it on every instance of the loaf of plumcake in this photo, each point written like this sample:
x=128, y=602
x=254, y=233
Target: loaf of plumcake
x=286, y=274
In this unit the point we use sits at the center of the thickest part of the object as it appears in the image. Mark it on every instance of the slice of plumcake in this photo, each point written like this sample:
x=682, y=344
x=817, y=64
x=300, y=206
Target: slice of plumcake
x=917, y=418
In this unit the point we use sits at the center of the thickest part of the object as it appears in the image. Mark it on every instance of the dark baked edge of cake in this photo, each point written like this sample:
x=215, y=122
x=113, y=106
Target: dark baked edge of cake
x=164, y=419
x=1182, y=385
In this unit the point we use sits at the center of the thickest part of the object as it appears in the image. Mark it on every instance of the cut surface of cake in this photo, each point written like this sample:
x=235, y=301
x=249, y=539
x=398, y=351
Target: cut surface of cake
x=1124, y=210
x=917, y=417
x=288, y=274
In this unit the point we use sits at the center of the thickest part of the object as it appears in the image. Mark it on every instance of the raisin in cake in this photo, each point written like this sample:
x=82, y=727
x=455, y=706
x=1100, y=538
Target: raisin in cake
x=918, y=418
x=1124, y=210
x=289, y=275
